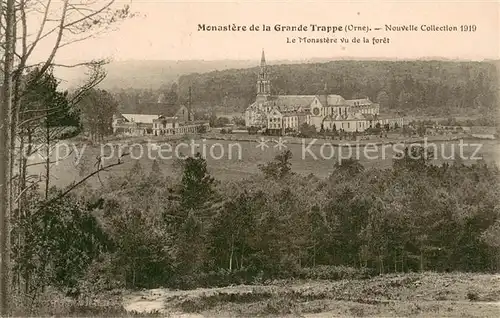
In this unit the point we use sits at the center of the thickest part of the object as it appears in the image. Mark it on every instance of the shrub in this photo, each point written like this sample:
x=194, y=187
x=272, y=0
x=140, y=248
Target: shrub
x=472, y=296
x=220, y=278
x=335, y=272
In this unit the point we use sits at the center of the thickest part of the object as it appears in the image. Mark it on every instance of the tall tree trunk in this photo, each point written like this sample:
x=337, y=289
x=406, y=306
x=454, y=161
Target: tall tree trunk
x=5, y=162
x=14, y=106
x=241, y=258
x=403, y=261
x=133, y=276
x=231, y=254
x=23, y=213
x=381, y=264
x=21, y=184
x=47, y=157
x=314, y=254
x=421, y=261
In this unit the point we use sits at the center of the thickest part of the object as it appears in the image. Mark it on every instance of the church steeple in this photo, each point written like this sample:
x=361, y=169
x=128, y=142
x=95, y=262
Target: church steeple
x=263, y=83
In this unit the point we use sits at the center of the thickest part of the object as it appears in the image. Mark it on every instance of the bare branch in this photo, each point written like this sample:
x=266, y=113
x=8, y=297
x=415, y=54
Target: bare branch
x=49, y=163
x=72, y=65
x=89, y=16
x=40, y=30
x=59, y=37
x=24, y=191
x=75, y=185
x=48, y=112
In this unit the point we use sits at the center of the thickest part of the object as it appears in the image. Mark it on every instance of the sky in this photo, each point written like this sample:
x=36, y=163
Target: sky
x=167, y=30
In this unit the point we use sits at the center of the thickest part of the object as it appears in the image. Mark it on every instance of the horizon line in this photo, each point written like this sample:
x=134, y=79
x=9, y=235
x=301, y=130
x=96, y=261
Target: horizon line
x=270, y=61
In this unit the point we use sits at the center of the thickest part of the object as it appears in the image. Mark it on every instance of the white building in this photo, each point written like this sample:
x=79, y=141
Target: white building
x=158, y=119
x=327, y=111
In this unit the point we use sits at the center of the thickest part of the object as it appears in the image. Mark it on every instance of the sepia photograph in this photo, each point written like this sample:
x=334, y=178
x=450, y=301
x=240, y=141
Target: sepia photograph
x=249, y=159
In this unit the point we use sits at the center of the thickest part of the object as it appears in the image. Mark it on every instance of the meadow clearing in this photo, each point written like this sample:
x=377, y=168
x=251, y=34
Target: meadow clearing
x=236, y=159
x=395, y=295
x=426, y=294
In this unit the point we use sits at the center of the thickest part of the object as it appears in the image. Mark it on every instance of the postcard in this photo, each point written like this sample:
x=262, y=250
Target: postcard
x=249, y=158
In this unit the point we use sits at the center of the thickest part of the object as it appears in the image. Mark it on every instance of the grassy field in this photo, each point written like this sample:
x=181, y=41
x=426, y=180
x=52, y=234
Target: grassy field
x=233, y=160
x=415, y=295
x=425, y=294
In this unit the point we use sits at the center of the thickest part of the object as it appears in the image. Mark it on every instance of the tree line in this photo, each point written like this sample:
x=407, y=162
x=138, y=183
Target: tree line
x=145, y=229
x=429, y=87
x=439, y=88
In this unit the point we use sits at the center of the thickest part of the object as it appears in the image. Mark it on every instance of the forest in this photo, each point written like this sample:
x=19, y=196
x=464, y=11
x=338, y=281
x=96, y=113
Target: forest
x=425, y=87
x=145, y=230
x=433, y=88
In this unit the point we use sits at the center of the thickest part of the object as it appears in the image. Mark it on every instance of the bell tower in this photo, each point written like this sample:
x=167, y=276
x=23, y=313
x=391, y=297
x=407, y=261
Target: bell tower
x=263, y=83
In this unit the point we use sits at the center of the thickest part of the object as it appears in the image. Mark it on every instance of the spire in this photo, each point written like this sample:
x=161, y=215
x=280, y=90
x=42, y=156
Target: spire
x=263, y=83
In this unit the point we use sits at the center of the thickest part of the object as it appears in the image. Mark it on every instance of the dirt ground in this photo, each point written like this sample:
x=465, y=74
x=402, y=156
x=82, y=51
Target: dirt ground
x=416, y=295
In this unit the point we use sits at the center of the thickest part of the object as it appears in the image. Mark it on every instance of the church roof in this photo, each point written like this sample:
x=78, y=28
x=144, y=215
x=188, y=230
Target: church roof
x=294, y=101
x=275, y=111
x=291, y=101
x=334, y=100
x=331, y=100
x=322, y=99
x=361, y=101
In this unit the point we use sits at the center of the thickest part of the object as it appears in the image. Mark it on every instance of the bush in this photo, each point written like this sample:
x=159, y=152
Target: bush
x=68, y=132
x=223, y=277
x=335, y=273
x=253, y=130
x=373, y=131
x=220, y=278
x=472, y=296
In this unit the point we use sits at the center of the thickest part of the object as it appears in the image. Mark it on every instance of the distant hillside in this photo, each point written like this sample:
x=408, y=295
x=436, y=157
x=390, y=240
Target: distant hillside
x=422, y=87
x=142, y=74
x=430, y=87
